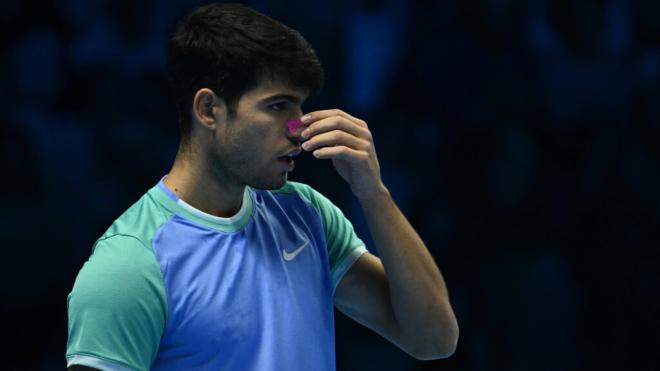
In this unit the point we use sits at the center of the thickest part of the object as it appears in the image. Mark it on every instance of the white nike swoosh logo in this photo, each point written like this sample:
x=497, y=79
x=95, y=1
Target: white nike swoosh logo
x=288, y=256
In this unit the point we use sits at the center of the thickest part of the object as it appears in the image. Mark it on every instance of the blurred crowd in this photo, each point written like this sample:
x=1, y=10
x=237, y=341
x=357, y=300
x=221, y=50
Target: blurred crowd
x=518, y=136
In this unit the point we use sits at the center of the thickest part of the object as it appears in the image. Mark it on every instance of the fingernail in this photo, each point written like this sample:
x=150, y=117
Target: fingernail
x=306, y=118
x=305, y=133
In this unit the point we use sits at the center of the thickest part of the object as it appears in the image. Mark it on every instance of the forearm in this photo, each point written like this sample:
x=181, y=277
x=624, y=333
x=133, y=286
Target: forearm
x=417, y=289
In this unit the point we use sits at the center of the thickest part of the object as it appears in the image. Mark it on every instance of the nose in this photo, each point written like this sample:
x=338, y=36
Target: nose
x=295, y=128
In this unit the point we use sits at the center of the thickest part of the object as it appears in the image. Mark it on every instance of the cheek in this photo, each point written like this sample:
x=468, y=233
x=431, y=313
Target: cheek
x=255, y=133
x=253, y=144
x=263, y=135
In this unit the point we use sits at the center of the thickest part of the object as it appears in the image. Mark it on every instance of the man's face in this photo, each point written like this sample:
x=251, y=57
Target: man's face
x=250, y=148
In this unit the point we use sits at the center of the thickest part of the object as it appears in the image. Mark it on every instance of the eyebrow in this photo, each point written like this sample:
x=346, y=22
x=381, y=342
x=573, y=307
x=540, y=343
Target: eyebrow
x=289, y=97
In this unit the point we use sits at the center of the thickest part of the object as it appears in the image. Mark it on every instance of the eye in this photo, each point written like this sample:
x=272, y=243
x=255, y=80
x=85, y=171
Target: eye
x=278, y=107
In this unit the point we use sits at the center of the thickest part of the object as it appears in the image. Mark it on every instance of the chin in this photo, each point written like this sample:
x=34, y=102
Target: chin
x=269, y=184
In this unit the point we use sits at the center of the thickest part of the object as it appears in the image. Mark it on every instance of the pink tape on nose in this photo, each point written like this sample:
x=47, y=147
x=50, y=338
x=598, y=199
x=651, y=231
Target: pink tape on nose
x=293, y=125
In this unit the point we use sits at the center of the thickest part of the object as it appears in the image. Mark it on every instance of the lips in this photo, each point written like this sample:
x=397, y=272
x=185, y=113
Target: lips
x=287, y=158
x=287, y=161
x=293, y=153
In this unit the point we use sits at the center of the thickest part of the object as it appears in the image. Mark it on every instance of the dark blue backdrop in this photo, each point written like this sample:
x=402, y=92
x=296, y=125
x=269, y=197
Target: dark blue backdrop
x=518, y=136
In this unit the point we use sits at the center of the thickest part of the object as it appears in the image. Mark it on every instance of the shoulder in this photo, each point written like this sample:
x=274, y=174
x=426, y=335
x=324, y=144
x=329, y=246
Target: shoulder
x=118, y=260
x=294, y=187
x=305, y=191
x=120, y=245
x=137, y=224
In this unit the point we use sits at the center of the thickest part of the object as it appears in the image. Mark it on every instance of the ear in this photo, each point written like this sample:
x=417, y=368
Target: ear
x=207, y=108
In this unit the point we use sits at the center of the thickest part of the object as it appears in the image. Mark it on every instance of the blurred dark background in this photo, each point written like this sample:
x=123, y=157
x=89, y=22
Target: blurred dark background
x=518, y=136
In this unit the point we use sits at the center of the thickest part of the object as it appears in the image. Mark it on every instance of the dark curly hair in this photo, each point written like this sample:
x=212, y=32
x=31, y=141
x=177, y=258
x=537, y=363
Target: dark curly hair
x=230, y=49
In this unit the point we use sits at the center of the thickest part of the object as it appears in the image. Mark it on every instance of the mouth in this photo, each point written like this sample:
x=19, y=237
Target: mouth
x=293, y=153
x=287, y=161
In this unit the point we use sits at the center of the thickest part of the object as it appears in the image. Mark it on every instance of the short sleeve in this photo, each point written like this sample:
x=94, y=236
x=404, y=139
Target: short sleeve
x=117, y=309
x=344, y=246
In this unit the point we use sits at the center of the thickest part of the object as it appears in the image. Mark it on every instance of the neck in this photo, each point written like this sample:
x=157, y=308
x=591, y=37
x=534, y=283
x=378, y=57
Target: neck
x=199, y=186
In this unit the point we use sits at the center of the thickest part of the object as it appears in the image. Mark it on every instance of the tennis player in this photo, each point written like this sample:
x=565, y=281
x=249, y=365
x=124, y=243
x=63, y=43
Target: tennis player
x=225, y=264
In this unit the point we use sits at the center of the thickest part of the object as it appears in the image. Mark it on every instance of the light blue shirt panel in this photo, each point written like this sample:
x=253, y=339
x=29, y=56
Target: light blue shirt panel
x=236, y=304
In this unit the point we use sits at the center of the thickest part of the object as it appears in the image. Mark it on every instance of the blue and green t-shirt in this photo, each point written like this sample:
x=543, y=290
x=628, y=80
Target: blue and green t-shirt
x=169, y=287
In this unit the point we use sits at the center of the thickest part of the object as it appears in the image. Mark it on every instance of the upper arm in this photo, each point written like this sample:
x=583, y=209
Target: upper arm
x=363, y=295
x=117, y=309
x=361, y=287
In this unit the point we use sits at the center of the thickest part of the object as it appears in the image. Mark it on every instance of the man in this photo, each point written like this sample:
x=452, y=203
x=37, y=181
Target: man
x=226, y=265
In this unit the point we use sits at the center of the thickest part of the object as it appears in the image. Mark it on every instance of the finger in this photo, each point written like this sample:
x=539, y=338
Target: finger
x=335, y=138
x=334, y=123
x=322, y=114
x=341, y=153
